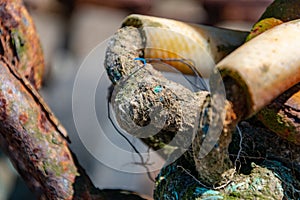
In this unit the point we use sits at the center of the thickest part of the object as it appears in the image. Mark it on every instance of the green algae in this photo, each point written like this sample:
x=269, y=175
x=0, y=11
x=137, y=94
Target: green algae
x=179, y=181
x=285, y=10
x=263, y=26
x=277, y=123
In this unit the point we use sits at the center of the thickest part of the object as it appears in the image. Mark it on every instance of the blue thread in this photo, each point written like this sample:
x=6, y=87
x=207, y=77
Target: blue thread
x=199, y=191
x=141, y=59
x=176, y=195
x=211, y=195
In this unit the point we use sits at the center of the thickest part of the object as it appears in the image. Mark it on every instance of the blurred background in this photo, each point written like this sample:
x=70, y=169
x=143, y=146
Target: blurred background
x=70, y=29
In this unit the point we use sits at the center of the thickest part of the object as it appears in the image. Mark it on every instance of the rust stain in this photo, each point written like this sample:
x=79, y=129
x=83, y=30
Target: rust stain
x=23, y=118
x=66, y=156
x=64, y=162
x=294, y=101
x=20, y=42
x=6, y=17
x=43, y=123
x=3, y=104
x=47, y=112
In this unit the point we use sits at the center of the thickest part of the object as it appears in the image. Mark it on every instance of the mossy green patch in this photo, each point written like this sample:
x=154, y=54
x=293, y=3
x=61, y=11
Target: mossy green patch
x=285, y=10
x=138, y=23
x=179, y=181
x=19, y=45
x=262, y=26
x=51, y=167
x=277, y=123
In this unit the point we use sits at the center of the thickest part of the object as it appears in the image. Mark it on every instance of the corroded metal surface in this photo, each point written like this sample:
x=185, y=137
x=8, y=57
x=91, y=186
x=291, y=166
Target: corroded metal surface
x=36, y=146
x=19, y=42
x=26, y=128
x=283, y=114
x=30, y=134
